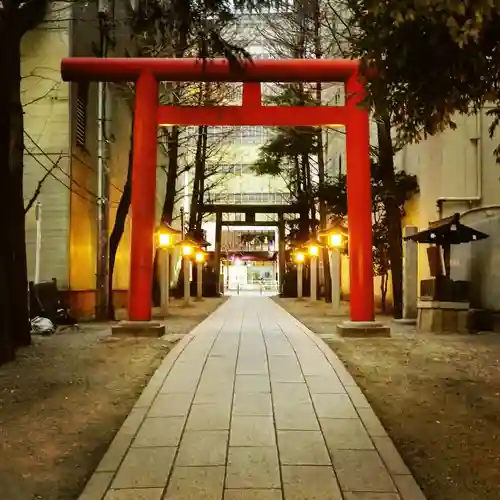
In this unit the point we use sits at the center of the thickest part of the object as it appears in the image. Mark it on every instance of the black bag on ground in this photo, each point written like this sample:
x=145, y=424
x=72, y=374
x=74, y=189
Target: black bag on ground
x=45, y=301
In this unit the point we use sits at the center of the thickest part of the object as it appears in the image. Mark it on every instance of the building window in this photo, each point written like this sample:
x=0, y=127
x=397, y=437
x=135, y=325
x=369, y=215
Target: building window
x=253, y=135
x=226, y=168
x=82, y=98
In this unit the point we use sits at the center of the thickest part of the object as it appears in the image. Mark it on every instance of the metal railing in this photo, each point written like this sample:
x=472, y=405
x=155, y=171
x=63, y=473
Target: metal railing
x=277, y=198
x=256, y=286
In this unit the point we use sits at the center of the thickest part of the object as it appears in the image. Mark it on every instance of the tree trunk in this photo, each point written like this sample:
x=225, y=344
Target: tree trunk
x=7, y=348
x=170, y=191
x=383, y=292
x=119, y=225
x=311, y=200
x=395, y=233
x=318, y=53
x=198, y=175
x=19, y=285
x=302, y=202
x=323, y=217
x=201, y=190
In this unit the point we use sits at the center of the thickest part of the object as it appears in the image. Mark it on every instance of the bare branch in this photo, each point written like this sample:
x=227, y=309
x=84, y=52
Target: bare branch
x=40, y=184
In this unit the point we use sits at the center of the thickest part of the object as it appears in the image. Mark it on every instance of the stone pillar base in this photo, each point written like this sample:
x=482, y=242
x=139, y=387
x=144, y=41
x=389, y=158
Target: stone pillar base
x=138, y=329
x=405, y=321
x=363, y=329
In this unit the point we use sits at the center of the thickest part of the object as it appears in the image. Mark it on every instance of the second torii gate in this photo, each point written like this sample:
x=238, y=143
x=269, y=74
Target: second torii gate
x=147, y=72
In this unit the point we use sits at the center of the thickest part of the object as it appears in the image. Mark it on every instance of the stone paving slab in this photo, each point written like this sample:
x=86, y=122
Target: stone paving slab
x=251, y=405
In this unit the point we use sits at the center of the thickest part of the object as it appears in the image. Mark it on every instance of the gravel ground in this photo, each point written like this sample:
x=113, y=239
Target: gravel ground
x=64, y=398
x=437, y=395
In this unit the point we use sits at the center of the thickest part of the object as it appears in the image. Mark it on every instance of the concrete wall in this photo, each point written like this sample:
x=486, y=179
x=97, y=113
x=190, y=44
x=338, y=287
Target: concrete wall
x=459, y=166
x=46, y=104
x=68, y=195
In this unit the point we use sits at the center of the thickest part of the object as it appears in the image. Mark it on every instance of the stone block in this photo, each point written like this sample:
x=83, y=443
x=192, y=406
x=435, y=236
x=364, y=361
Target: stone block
x=360, y=329
x=247, y=366
x=189, y=483
x=176, y=384
x=249, y=404
x=253, y=494
x=203, y=448
x=253, y=467
x=302, y=448
x=214, y=395
x=334, y=406
x=252, y=383
x=408, y=488
x=160, y=431
x=345, y=434
x=325, y=384
x=463, y=321
x=371, y=422
x=310, y=483
x=357, y=495
x=390, y=455
x=294, y=394
x=357, y=397
x=209, y=417
x=171, y=405
x=134, y=494
x=96, y=486
x=362, y=470
x=252, y=431
x=145, y=468
x=138, y=329
x=290, y=416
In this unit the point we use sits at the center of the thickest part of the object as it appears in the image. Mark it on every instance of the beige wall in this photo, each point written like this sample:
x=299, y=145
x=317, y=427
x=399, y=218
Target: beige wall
x=459, y=165
x=46, y=105
x=68, y=195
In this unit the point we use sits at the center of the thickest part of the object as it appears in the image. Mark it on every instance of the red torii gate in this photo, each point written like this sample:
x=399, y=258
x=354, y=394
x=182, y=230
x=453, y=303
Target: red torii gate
x=146, y=72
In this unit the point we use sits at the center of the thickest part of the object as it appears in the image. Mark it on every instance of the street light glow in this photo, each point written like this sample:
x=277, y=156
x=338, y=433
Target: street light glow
x=335, y=240
x=300, y=257
x=199, y=257
x=187, y=250
x=164, y=240
x=314, y=250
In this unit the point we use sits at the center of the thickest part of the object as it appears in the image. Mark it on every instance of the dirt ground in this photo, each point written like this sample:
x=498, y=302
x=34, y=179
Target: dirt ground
x=437, y=395
x=65, y=397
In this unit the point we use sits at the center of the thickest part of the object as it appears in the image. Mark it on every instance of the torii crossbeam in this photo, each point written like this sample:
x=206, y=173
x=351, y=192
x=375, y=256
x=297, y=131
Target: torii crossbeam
x=146, y=72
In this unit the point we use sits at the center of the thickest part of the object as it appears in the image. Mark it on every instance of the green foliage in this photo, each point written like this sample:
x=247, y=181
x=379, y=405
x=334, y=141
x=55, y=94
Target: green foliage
x=433, y=58
x=334, y=193
x=277, y=155
x=203, y=20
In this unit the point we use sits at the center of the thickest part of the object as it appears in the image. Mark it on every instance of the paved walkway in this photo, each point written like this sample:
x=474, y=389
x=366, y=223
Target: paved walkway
x=252, y=406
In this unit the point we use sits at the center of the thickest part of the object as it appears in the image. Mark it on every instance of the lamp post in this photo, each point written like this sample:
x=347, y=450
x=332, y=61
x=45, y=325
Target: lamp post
x=188, y=247
x=313, y=250
x=165, y=238
x=335, y=243
x=299, y=259
x=200, y=260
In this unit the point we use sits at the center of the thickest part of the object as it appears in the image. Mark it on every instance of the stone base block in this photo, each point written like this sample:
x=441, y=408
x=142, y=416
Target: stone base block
x=138, y=329
x=363, y=329
x=405, y=321
x=443, y=320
